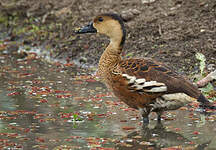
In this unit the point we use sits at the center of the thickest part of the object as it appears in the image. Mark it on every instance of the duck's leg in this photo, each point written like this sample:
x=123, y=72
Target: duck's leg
x=159, y=113
x=145, y=119
x=145, y=113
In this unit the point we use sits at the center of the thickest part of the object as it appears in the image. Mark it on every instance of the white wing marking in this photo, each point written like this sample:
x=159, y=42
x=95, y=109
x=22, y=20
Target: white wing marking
x=141, y=85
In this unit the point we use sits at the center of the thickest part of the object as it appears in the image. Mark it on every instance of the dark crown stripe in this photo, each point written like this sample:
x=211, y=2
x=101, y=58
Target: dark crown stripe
x=120, y=20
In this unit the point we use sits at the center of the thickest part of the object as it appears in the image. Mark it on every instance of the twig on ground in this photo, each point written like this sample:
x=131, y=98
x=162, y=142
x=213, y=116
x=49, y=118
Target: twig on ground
x=210, y=77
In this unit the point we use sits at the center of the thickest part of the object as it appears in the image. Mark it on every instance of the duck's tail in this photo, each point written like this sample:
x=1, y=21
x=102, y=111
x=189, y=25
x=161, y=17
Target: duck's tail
x=204, y=102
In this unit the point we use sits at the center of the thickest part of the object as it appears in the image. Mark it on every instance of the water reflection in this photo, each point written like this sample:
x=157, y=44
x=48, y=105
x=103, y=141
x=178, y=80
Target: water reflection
x=56, y=106
x=157, y=138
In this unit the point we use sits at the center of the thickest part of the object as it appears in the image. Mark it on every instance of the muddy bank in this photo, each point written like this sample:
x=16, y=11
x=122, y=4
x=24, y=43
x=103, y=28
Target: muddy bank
x=170, y=31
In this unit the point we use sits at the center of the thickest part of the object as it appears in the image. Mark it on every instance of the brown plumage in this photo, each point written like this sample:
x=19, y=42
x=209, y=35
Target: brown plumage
x=141, y=83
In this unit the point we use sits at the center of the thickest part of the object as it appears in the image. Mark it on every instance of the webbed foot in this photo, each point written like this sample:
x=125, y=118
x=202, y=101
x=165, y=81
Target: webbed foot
x=145, y=120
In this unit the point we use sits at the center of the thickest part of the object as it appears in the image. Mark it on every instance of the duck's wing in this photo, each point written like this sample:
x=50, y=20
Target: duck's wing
x=148, y=76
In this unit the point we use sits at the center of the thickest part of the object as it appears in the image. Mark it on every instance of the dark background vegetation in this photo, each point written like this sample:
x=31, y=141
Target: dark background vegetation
x=172, y=31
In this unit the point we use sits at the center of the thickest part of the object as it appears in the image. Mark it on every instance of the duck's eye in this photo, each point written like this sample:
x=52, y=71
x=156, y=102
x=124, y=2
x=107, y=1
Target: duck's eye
x=100, y=19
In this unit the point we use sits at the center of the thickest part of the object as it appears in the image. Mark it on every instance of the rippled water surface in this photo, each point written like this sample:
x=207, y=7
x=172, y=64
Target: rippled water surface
x=60, y=106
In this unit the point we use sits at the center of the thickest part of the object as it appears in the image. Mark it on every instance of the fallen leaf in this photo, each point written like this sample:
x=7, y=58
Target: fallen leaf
x=128, y=128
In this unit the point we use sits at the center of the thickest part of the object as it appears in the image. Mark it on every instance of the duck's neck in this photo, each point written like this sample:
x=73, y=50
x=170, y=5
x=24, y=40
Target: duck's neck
x=110, y=57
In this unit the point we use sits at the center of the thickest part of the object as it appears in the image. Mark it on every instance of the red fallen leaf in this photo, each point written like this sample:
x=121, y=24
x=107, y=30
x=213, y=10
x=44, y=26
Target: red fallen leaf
x=180, y=138
x=54, y=105
x=27, y=130
x=128, y=128
x=116, y=103
x=43, y=101
x=11, y=89
x=25, y=139
x=191, y=109
x=96, y=99
x=194, y=118
x=37, y=116
x=177, y=129
x=3, y=46
x=4, y=140
x=104, y=142
x=92, y=142
x=191, y=143
x=10, y=144
x=68, y=64
x=194, y=104
x=36, y=81
x=167, y=118
x=103, y=148
x=35, y=88
x=171, y=148
x=68, y=59
x=68, y=140
x=42, y=93
x=126, y=109
x=40, y=140
x=196, y=132
x=123, y=120
x=86, y=46
x=63, y=96
x=12, y=127
x=42, y=120
x=68, y=115
x=57, y=64
x=43, y=147
x=59, y=91
x=90, y=80
x=27, y=112
x=183, y=108
x=10, y=118
x=191, y=114
x=207, y=118
x=12, y=135
x=101, y=95
x=75, y=137
x=19, y=146
x=59, y=96
x=32, y=55
x=26, y=74
x=79, y=98
x=13, y=93
x=101, y=115
x=90, y=119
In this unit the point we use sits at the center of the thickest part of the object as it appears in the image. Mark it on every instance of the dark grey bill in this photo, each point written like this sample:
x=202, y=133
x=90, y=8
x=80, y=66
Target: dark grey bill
x=87, y=29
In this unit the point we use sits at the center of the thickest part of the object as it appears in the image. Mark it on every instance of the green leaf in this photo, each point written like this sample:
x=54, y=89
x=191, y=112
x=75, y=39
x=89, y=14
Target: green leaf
x=207, y=88
x=129, y=54
x=75, y=116
x=202, y=60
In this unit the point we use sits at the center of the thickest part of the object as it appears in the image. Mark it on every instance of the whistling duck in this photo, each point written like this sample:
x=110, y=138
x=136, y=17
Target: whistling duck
x=142, y=83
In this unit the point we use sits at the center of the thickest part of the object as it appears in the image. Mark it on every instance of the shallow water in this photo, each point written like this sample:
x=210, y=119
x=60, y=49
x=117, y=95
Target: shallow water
x=60, y=106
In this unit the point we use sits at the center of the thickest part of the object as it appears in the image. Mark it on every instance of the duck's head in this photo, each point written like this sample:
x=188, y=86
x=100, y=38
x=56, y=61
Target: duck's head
x=108, y=24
